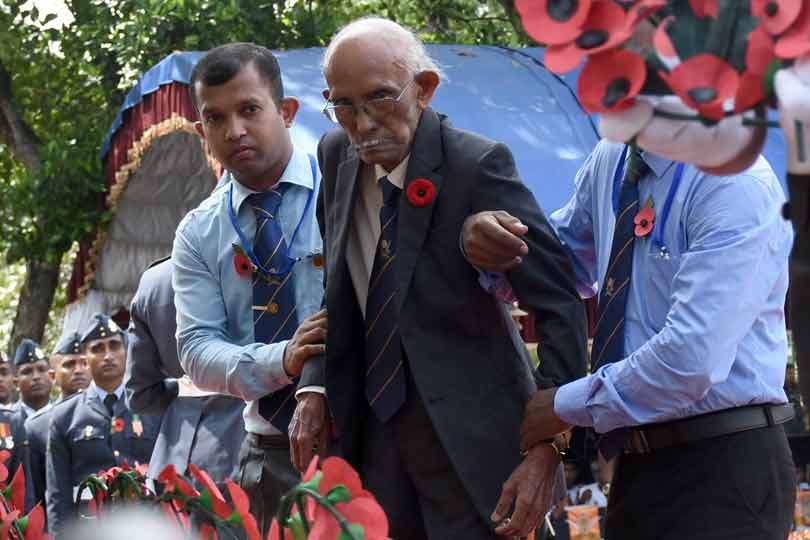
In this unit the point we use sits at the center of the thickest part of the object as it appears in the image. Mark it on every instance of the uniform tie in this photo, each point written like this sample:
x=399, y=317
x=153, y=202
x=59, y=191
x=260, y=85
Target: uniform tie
x=273, y=297
x=608, y=342
x=385, y=376
x=109, y=402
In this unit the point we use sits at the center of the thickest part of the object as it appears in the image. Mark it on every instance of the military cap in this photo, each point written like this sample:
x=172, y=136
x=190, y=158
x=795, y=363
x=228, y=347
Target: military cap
x=101, y=327
x=71, y=343
x=28, y=352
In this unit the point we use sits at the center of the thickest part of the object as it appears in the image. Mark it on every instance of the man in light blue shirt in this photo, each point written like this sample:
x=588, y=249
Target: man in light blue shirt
x=245, y=120
x=696, y=399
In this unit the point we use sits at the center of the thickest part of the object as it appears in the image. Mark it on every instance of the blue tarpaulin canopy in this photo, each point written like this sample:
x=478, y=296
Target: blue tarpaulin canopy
x=505, y=94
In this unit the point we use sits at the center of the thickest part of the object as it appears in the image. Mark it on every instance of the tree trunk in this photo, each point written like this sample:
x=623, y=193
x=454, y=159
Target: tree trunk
x=36, y=297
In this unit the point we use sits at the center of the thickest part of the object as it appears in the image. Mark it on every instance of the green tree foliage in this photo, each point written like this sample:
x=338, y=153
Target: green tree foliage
x=63, y=84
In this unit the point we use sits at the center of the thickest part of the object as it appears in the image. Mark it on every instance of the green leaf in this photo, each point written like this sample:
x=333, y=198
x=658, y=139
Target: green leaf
x=23, y=523
x=206, y=501
x=296, y=526
x=315, y=481
x=339, y=494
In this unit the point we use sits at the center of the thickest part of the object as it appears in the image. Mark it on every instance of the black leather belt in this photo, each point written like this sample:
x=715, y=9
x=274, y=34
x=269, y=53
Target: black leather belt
x=268, y=441
x=651, y=437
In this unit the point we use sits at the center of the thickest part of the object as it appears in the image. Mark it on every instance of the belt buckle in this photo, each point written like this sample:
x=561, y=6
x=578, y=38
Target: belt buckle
x=638, y=444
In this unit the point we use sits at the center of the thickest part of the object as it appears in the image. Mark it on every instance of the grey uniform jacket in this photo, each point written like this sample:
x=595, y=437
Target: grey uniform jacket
x=36, y=432
x=82, y=441
x=207, y=431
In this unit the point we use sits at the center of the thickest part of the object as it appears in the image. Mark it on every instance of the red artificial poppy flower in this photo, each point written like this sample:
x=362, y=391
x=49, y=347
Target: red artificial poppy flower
x=173, y=482
x=118, y=425
x=661, y=40
x=776, y=15
x=758, y=57
x=35, y=524
x=609, y=81
x=363, y=512
x=210, y=491
x=704, y=82
x=553, y=22
x=705, y=8
x=4, y=455
x=208, y=532
x=242, y=503
x=242, y=262
x=275, y=532
x=606, y=27
x=796, y=41
x=311, y=469
x=14, y=493
x=644, y=220
x=7, y=520
x=421, y=192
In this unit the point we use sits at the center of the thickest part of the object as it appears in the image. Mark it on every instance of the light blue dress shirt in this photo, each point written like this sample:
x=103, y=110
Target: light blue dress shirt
x=215, y=338
x=705, y=328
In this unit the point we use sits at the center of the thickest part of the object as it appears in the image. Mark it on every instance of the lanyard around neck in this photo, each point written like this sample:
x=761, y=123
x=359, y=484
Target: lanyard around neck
x=660, y=224
x=247, y=246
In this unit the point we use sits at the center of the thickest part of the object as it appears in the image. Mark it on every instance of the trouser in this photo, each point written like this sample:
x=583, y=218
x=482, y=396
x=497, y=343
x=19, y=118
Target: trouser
x=735, y=487
x=409, y=472
x=266, y=474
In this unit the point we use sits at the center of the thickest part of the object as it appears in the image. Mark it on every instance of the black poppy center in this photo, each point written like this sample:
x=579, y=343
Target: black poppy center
x=771, y=9
x=421, y=192
x=592, y=39
x=562, y=10
x=703, y=94
x=644, y=222
x=616, y=91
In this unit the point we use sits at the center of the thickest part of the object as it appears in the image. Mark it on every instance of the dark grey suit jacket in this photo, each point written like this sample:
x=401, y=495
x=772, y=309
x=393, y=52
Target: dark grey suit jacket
x=466, y=357
x=207, y=431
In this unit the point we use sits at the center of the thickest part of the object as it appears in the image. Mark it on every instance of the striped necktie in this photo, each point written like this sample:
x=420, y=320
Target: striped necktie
x=385, y=375
x=608, y=342
x=273, y=297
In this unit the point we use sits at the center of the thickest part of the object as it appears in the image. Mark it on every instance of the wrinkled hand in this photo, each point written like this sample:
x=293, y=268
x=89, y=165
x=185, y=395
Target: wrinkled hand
x=492, y=241
x=792, y=86
x=540, y=422
x=309, y=429
x=309, y=340
x=530, y=487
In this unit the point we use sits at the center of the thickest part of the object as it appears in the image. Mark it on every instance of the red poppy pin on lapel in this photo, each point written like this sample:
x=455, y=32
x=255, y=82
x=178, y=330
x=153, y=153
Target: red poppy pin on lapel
x=421, y=192
x=118, y=425
x=645, y=220
x=242, y=262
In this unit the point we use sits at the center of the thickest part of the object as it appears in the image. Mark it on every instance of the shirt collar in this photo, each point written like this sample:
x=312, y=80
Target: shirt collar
x=659, y=165
x=103, y=393
x=298, y=172
x=397, y=176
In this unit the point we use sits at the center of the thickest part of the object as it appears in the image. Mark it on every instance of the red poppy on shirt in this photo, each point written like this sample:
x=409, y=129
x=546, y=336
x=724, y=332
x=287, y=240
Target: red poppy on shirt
x=644, y=220
x=421, y=192
x=242, y=262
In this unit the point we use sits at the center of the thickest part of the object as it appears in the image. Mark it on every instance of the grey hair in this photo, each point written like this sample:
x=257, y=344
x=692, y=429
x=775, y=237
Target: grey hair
x=413, y=55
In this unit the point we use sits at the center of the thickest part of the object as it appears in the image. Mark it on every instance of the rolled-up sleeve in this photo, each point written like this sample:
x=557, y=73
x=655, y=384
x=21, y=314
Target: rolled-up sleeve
x=737, y=252
x=208, y=354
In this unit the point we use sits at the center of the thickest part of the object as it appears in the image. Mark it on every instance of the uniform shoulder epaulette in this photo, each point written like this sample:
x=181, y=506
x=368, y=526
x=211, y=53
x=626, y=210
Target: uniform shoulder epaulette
x=158, y=261
x=37, y=414
x=68, y=399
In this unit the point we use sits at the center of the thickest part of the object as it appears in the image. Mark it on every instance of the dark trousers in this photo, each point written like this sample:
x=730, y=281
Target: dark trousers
x=735, y=487
x=266, y=474
x=409, y=472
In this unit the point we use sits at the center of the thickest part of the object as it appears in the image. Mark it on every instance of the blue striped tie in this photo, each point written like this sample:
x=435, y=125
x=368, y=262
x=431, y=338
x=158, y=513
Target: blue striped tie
x=608, y=343
x=274, y=316
x=385, y=372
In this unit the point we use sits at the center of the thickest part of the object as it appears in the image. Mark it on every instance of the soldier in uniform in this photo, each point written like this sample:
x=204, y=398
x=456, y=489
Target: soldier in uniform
x=69, y=365
x=198, y=427
x=33, y=378
x=94, y=430
x=6, y=382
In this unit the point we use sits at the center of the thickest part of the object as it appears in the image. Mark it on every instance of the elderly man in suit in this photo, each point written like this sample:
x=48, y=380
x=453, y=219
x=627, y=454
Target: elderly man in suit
x=198, y=427
x=425, y=374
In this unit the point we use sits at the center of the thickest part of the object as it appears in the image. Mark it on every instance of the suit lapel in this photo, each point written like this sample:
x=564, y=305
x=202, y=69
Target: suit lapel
x=345, y=194
x=426, y=158
x=94, y=401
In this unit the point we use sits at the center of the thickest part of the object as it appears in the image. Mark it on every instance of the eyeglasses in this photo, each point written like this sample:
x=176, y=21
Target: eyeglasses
x=375, y=108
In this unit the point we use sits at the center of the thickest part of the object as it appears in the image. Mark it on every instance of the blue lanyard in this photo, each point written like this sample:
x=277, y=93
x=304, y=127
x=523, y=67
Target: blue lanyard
x=660, y=225
x=249, y=249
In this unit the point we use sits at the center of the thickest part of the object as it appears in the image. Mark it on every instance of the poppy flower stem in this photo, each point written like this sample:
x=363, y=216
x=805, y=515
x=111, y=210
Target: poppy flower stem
x=300, y=503
x=297, y=495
